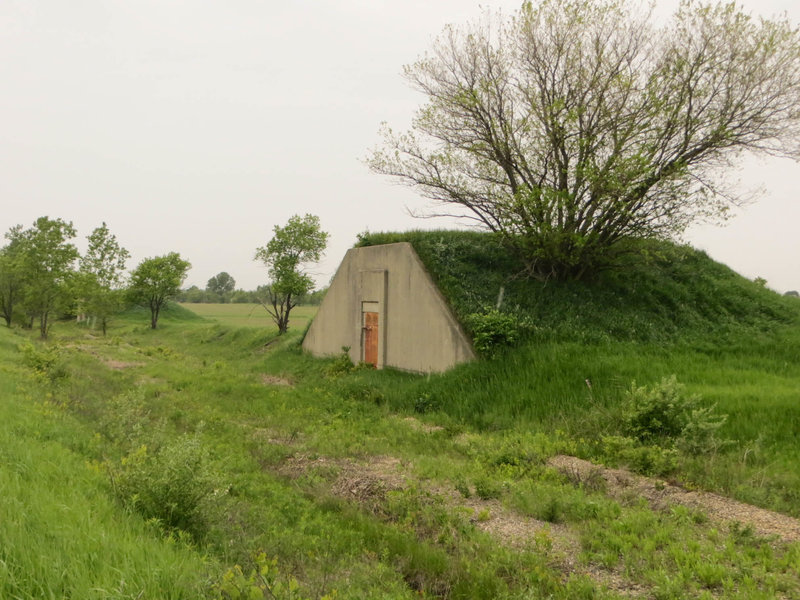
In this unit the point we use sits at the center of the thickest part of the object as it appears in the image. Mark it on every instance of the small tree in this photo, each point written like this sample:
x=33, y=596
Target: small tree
x=156, y=280
x=222, y=284
x=577, y=123
x=299, y=242
x=102, y=275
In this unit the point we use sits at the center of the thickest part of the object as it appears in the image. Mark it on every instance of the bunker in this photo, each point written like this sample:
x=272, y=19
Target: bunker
x=384, y=306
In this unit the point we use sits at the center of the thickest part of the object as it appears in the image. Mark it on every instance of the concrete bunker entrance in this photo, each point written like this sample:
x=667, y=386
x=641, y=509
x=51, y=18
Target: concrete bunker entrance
x=372, y=316
x=370, y=332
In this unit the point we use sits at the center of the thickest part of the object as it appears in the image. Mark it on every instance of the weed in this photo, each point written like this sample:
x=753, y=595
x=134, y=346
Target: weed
x=425, y=403
x=340, y=365
x=263, y=581
x=462, y=487
x=361, y=392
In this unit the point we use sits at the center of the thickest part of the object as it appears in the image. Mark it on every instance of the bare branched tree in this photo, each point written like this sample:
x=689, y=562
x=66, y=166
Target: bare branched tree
x=577, y=123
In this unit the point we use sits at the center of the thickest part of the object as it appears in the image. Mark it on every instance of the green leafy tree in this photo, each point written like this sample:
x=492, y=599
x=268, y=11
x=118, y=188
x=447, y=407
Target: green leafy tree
x=156, y=280
x=102, y=271
x=221, y=285
x=11, y=274
x=577, y=123
x=45, y=261
x=300, y=242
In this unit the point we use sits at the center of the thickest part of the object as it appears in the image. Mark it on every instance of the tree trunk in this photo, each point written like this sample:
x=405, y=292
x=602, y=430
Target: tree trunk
x=155, y=307
x=43, y=326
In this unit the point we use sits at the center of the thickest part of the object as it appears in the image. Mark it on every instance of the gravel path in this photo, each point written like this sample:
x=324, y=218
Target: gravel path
x=720, y=509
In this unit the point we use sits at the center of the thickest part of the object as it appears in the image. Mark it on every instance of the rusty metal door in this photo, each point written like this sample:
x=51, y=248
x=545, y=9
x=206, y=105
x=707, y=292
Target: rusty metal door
x=371, y=338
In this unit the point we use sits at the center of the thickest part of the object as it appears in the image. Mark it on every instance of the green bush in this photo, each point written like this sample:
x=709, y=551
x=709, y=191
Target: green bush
x=487, y=489
x=493, y=330
x=665, y=413
x=175, y=485
x=45, y=361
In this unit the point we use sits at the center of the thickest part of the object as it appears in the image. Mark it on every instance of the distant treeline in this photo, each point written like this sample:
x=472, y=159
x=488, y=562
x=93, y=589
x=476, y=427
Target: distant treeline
x=195, y=295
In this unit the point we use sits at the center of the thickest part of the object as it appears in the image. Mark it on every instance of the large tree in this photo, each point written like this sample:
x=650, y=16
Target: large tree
x=292, y=247
x=222, y=284
x=102, y=270
x=45, y=262
x=11, y=274
x=156, y=280
x=577, y=123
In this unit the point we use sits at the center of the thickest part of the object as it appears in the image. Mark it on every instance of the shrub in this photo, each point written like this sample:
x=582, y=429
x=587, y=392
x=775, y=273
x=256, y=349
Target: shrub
x=176, y=485
x=45, y=361
x=493, y=330
x=487, y=489
x=660, y=411
x=665, y=412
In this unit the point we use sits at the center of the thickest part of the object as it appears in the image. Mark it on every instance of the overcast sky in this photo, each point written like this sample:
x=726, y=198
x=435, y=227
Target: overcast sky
x=197, y=126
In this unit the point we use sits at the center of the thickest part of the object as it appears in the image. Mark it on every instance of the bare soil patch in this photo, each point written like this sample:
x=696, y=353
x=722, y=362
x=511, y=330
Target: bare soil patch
x=267, y=379
x=420, y=426
x=623, y=484
x=119, y=365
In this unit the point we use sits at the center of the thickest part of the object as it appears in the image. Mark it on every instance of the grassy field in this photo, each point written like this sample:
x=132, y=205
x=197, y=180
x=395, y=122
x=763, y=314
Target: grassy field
x=250, y=315
x=212, y=459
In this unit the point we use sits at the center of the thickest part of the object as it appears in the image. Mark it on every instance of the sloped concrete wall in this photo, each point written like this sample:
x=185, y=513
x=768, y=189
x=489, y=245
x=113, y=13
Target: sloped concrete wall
x=418, y=332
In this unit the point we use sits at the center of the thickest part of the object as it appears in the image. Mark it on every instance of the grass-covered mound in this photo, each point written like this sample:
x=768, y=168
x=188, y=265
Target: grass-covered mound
x=667, y=311
x=659, y=291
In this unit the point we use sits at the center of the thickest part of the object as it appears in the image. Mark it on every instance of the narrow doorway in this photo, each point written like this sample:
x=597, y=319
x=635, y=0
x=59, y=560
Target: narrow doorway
x=370, y=337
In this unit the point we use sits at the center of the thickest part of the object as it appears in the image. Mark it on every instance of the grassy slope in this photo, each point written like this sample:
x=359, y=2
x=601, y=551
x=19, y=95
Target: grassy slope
x=61, y=534
x=669, y=310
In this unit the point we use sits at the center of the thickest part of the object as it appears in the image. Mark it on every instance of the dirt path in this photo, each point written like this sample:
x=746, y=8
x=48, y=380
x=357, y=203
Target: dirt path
x=367, y=483
x=620, y=483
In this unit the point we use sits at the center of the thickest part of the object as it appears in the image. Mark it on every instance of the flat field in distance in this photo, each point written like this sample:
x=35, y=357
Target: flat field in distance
x=250, y=315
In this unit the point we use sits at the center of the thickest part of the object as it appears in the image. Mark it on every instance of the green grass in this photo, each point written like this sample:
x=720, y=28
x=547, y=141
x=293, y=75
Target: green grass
x=97, y=434
x=62, y=535
x=250, y=315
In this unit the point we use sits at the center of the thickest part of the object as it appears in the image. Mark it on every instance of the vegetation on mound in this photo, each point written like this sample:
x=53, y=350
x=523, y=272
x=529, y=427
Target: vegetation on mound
x=658, y=291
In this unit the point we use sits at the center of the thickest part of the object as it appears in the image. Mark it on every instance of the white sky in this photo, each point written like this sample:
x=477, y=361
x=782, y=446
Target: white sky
x=196, y=126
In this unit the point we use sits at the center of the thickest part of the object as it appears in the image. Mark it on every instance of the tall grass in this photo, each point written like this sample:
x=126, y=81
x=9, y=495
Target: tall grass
x=62, y=535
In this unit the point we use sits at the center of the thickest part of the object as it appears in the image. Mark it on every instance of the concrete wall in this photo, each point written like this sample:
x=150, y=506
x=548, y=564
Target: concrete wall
x=417, y=330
